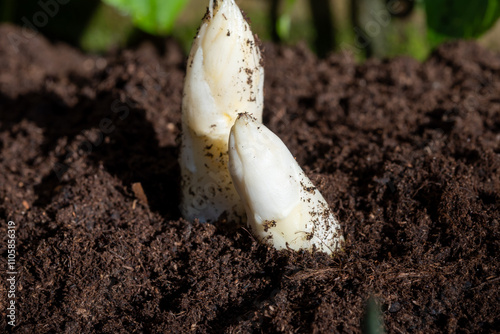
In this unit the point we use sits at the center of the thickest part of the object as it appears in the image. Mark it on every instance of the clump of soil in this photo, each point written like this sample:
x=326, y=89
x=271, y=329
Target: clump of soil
x=406, y=153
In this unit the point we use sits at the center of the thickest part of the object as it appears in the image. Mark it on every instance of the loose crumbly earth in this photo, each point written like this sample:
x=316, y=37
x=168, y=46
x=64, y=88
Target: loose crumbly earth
x=407, y=154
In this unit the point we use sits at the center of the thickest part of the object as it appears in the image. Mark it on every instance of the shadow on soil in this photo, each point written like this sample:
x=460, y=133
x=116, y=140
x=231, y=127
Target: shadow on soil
x=106, y=131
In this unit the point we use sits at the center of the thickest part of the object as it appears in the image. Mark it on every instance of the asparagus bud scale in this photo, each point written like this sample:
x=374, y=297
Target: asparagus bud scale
x=224, y=77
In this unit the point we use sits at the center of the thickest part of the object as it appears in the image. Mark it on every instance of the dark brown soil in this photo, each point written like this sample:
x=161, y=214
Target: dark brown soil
x=406, y=153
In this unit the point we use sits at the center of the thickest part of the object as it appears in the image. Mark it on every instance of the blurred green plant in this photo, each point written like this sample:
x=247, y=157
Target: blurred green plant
x=106, y=29
x=326, y=26
x=284, y=21
x=452, y=19
x=372, y=322
x=156, y=17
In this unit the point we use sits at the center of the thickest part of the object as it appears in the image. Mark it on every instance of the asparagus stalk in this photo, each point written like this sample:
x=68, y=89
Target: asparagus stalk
x=282, y=205
x=224, y=77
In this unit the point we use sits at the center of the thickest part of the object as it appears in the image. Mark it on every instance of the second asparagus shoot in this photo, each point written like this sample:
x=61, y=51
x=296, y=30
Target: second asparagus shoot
x=283, y=207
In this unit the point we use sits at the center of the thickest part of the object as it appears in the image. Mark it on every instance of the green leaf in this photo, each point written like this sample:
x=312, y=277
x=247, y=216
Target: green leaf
x=105, y=29
x=153, y=16
x=285, y=20
x=372, y=322
x=448, y=19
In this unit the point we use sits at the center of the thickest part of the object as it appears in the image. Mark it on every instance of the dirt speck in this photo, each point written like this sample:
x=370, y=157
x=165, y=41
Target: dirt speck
x=269, y=224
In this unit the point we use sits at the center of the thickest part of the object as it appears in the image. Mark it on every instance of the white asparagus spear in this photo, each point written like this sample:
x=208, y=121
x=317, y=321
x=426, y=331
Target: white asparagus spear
x=224, y=77
x=283, y=207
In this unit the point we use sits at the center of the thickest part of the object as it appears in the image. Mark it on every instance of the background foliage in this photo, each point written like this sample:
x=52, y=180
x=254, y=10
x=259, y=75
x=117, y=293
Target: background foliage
x=460, y=18
x=378, y=28
x=153, y=16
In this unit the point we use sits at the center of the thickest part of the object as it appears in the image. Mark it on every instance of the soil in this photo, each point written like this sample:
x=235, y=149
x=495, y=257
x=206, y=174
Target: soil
x=406, y=153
